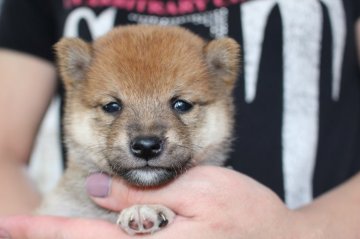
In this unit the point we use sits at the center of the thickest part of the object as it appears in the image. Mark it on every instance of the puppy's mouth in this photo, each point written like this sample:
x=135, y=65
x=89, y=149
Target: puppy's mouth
x=153, y=172
x=147, y=176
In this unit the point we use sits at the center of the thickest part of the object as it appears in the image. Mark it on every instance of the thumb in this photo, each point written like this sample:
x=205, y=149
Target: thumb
x=115, y=194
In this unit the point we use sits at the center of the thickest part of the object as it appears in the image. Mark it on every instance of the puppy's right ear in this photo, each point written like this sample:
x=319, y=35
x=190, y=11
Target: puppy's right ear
x=74, y=56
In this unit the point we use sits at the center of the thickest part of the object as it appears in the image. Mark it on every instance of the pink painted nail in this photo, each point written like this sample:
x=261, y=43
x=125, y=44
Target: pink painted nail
x=98, y=185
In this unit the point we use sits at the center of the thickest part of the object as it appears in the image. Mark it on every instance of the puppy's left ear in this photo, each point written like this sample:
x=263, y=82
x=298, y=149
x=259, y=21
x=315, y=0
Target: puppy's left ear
x=74, y=56
x=223, y=59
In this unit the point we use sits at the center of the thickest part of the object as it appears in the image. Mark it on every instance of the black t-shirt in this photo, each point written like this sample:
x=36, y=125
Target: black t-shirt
x=297, y=99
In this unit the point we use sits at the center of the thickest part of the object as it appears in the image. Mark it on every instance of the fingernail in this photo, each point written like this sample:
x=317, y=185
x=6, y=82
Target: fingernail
x=98, y=185
x=4, y=234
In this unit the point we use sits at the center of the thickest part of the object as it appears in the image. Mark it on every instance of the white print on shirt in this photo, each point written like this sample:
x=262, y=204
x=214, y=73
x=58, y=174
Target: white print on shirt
x=302, y=32
x=337, y=20
x=98, y=25
x=214, y=20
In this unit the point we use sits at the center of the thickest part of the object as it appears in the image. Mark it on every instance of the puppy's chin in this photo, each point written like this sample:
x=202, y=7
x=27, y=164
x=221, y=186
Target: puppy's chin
x=148, y=176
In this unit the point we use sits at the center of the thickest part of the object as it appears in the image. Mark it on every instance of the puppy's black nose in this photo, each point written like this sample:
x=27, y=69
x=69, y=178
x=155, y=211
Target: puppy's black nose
x=146, y=147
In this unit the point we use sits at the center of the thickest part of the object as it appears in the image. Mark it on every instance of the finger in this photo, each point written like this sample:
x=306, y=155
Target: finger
x=27, y=227
x=196, y=184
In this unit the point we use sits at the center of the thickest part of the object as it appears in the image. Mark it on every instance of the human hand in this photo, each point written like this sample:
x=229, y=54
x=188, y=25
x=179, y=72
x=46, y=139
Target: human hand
x=210, y=202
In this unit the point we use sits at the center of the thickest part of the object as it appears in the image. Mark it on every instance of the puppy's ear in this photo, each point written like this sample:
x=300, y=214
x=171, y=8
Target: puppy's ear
x=223, y=59
x=74, y=56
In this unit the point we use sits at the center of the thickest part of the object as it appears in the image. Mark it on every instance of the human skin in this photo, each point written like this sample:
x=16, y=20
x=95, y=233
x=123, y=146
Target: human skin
x=204, y=199
x=27, y=85
x=211, y=202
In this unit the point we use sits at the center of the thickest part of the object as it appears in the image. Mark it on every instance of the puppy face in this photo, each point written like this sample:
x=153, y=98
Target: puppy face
x=146, y=103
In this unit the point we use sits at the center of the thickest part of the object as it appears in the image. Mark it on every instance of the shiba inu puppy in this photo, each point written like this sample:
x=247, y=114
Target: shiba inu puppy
x=144, y=103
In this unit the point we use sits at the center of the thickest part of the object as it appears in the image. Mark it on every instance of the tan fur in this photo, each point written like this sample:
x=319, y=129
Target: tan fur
x=145, y=68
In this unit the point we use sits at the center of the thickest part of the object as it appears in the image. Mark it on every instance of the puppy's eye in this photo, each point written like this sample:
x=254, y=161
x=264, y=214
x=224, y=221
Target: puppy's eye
x=181, y=106
x=112, y=107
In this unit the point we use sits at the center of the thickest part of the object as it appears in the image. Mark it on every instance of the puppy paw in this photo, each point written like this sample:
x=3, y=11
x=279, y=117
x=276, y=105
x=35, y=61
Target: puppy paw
x=142, y=219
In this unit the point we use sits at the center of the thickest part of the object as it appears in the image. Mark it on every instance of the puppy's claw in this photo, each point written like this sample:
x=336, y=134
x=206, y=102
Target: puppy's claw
x=163, y=221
